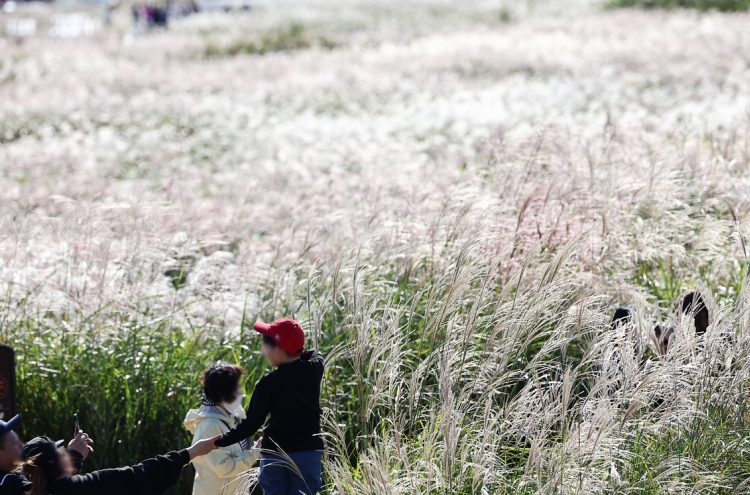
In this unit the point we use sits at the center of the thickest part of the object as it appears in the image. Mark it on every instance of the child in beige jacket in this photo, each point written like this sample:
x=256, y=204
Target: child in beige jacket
x=218, y=473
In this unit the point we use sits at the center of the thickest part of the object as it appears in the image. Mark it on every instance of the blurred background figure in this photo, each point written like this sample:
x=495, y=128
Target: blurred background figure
x=20, y=28
x=135, y=12
x=106, y=7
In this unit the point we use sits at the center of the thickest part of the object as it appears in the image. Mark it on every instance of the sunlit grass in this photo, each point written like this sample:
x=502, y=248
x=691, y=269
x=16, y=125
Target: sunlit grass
x=452, y=200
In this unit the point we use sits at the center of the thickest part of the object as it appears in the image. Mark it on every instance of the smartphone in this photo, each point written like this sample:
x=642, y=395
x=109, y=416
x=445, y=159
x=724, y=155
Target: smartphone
x=78, y=427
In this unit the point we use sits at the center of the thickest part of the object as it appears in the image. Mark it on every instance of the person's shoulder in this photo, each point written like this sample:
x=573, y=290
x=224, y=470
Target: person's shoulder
x=316, y=359
x=266, y=379
x=211, y=427
x=12, y=483
x=313, y=357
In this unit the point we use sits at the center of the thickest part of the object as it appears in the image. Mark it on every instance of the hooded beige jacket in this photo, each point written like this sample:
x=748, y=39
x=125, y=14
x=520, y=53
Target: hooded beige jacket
x=217, y=472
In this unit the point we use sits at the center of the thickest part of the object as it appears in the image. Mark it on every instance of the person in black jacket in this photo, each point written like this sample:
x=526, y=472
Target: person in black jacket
x=51, y=474
x=290, y=395
x=12, y=481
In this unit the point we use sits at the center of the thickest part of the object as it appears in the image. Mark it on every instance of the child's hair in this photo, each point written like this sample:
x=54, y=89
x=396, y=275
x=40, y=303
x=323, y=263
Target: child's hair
x=36, y=475
x=220, y=382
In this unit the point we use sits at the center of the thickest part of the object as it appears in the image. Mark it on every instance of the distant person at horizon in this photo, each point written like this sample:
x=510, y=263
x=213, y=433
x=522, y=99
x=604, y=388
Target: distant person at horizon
x=217, y=473
x=107, y=7
x=290, y=395
x=136, y=15
x=50, y=471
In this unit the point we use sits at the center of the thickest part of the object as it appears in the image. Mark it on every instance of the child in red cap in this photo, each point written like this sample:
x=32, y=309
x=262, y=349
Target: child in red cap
x=291, y=396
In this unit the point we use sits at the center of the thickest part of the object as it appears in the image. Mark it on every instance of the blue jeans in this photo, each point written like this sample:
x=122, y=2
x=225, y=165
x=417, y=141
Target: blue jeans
x=278, y=477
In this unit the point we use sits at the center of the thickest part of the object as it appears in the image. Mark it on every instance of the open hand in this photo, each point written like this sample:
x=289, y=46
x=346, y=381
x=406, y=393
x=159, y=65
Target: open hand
x=203, y=447
x=81, y=444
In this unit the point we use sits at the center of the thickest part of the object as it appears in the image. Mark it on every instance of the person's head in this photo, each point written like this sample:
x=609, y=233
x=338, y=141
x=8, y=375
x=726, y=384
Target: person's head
x=221, y=386
x=66, y=462
x=623, y=317
x=43, y=462
x=692, y=304
x=283, y=341
x=274, y=354
x=10, y=445
x=624, y=321
x=41, y=475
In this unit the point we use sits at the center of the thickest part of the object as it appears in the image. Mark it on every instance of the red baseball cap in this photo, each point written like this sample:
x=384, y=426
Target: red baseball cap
x=286, y=333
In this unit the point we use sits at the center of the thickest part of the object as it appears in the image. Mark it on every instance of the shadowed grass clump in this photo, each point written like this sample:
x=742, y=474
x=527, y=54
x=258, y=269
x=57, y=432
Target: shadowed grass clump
x=283, y=39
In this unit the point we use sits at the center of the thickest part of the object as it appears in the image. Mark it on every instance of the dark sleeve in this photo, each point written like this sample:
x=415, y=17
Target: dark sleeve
x=77, y=460
x=150, y=477
x=257, y=412
x=314, y=360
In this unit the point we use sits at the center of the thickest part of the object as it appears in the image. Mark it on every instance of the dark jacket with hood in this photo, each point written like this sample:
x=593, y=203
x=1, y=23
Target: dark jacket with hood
x=13, y=483
x=150, y=477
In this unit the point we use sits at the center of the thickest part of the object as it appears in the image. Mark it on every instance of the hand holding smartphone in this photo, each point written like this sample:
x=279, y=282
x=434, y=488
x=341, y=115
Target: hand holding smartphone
x=81, y=442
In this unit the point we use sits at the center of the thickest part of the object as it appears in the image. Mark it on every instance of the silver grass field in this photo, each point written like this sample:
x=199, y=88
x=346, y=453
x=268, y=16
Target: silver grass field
x=452, y=197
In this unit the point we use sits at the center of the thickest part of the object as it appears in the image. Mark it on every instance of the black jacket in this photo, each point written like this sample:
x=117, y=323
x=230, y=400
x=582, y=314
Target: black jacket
x=13, y=483
x=290, y=394
x=150, y=477
x=17, y=484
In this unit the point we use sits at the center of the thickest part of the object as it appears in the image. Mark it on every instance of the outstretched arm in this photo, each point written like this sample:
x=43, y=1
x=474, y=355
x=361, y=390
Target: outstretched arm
x=150, y=477
x=222, y=462
x=256, y=416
